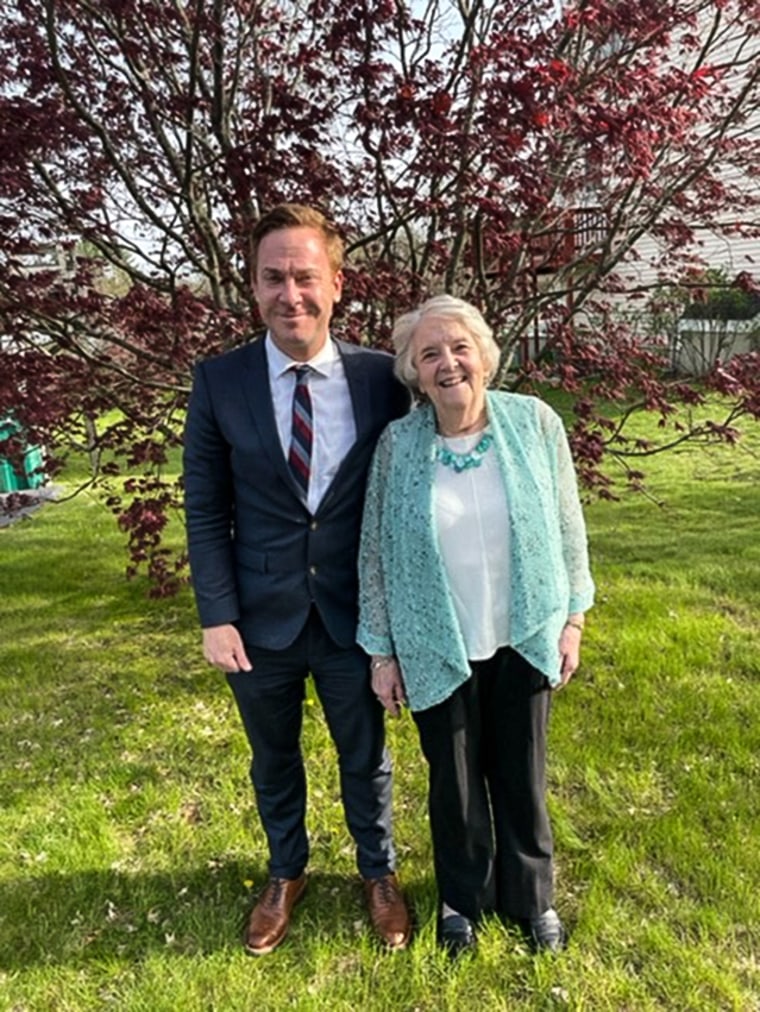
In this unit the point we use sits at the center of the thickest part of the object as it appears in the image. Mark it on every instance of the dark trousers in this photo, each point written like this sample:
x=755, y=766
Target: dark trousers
x=486, y=750
x=270, y=700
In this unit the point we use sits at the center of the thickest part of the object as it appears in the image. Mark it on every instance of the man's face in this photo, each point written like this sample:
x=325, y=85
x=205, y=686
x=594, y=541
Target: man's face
x=296, y=289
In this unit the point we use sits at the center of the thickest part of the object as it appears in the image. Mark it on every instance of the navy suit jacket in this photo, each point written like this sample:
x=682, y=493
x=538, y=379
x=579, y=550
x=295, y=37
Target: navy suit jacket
x=258, y=558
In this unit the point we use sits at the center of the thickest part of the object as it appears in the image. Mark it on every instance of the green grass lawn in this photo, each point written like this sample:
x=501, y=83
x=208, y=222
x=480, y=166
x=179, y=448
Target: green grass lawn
x=130, y=846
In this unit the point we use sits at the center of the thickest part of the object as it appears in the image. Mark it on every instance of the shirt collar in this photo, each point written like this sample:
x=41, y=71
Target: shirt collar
x=280, y=363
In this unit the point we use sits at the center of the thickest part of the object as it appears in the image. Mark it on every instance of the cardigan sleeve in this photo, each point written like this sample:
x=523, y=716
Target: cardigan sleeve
x=571, y=522
x=373, y=633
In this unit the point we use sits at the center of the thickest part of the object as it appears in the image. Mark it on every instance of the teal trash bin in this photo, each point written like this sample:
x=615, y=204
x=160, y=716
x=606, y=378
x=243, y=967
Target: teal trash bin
x=31, y=475
x=9, y=481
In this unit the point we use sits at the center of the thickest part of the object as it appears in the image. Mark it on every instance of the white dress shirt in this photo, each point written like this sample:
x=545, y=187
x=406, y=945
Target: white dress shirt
x=333, y=424
x=472, y=524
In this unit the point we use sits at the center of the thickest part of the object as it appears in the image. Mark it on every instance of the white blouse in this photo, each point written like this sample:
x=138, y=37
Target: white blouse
x=472, y=526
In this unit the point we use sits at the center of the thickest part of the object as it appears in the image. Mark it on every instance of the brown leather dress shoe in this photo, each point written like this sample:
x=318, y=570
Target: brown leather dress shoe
x=270, y=918
x=387, y=911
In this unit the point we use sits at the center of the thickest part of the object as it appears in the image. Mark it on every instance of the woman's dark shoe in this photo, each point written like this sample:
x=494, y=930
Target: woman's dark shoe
x=455, y=934
x=547, y=933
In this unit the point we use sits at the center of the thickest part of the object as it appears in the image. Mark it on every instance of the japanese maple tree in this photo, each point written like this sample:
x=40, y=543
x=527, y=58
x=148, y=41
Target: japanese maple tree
x=554, y=165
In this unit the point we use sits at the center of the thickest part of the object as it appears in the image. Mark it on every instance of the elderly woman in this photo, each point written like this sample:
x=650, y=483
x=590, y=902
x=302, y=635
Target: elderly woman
x=474, y=582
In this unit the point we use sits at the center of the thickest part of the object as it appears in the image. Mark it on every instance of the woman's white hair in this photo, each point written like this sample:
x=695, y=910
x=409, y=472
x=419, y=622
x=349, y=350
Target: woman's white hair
x=443, y=307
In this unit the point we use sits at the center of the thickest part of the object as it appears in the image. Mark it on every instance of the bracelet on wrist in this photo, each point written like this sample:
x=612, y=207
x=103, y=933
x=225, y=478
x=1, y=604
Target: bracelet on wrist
x=575, y=625
x=380, y=662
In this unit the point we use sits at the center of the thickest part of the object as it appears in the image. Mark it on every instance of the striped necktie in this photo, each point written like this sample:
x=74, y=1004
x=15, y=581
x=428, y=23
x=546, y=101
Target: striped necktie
x=301, y=435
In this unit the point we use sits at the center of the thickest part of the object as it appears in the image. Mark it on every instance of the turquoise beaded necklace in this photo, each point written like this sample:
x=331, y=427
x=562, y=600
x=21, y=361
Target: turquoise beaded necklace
x=464, y=461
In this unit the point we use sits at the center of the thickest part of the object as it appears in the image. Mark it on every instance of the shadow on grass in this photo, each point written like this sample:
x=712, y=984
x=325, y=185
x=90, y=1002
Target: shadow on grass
x=103, y=915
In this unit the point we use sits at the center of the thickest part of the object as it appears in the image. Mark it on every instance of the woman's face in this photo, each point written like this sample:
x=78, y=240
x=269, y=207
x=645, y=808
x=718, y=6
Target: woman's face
x=449, y=366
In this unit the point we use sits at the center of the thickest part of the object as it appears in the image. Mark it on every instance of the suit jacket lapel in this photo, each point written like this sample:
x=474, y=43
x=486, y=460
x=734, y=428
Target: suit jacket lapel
x=258, y=397
x=358, y=380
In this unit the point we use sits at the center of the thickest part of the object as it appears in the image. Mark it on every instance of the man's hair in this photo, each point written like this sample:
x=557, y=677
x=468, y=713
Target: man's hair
x=297, y=216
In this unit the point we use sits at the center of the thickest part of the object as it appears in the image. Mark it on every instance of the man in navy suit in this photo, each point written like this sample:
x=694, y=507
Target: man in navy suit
x=273, y=556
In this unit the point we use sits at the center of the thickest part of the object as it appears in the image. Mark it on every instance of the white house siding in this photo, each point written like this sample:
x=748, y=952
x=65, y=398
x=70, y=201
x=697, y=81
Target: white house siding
x=713, y=246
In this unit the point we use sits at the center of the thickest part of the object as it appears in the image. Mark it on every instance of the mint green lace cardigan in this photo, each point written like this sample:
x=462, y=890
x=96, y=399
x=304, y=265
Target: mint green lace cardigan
x=405, y=607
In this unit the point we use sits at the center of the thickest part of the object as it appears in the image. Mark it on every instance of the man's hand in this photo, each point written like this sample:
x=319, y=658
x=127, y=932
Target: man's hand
x=223, y=647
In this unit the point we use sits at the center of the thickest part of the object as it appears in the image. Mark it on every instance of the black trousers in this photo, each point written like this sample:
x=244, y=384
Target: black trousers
x=486, y=750
x=270, y=700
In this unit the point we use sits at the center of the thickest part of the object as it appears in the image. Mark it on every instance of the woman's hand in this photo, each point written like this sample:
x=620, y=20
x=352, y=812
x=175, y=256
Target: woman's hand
x=570, y=649
x=387, y=684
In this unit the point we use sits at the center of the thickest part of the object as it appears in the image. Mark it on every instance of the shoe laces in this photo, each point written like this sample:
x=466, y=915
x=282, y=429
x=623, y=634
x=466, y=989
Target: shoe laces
x=273, y=892
x=385, y=891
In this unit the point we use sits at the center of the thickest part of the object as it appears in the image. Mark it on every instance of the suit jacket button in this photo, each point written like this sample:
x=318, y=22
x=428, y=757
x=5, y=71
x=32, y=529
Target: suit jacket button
x=313, y=570
x=313, y=525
